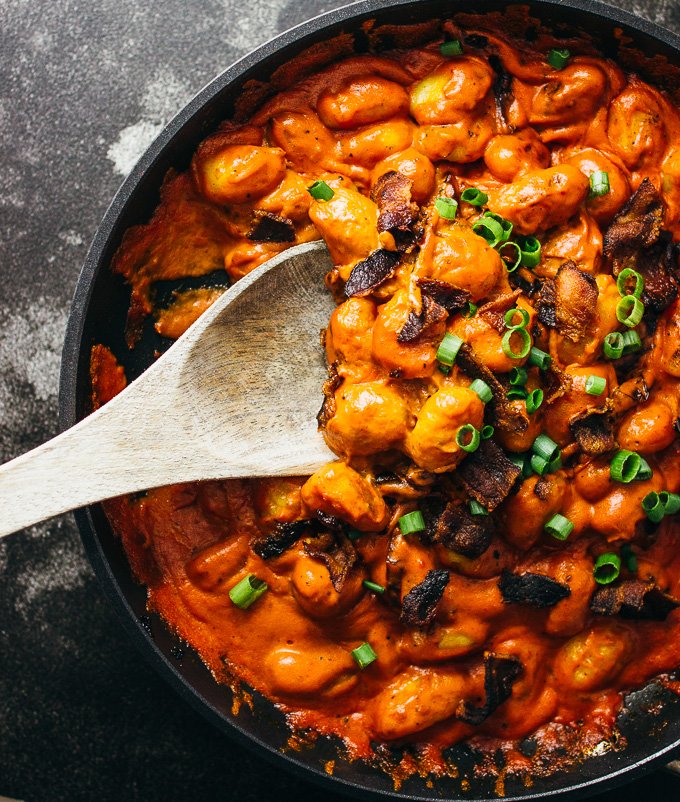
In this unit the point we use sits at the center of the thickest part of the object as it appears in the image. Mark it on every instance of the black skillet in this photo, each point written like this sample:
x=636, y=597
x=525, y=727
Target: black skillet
x=650, y=722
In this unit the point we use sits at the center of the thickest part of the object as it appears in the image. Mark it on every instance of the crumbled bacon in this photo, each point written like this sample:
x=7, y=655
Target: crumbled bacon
x=268, y=227
x=500, y=674
x=419, y=605
x=536, y=590
x=488, y=474
x=370, y=273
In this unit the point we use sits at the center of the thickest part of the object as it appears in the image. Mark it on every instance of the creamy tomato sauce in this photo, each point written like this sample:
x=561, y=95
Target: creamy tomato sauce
x=483, y=624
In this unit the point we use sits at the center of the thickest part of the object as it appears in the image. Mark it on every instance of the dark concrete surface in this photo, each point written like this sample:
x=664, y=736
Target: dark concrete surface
x=84, y=87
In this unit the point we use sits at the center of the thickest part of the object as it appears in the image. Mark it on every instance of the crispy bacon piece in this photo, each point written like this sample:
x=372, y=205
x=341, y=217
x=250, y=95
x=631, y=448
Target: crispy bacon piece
x=397, y=211
x=488, y=475
x=444, y=294
x=494, y=311
x=416, y=325
x=419, y=605
x=635, y=239
x=462, y=532
x=502, y=88
x=536, y=590
x=633, y=598
x=370, y=273
x=504, y=414
x=500, y=674
x=568, y=302
x=636, y=226
x=282, y=538
x=336, y=552
x=593, y=430
x=329, y=387
x=268, y=227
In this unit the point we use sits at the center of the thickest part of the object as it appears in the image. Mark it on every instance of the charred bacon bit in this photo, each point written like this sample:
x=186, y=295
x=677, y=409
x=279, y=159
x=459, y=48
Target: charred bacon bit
x=336, y=552
x=432, y=507
x=557, y=383
x=500, y=674
x=416, y=325
x=282, y=538
x=444, y=294
x=419, y=605
x=370, y=273
x=502, y=88
x=658, y=267
x=505, y=415
x=568, y=302
x=593, y=430
x=636, y=226
x=488, y=475
x=494, y=311
x=634, y=598
x=462, y=532
x=268, y=227
x=329, y=387
x=535, y=590
x=398, y=212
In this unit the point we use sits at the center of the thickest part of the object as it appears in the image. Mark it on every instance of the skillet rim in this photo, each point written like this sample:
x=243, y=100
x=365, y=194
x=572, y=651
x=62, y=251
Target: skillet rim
x=69, y=395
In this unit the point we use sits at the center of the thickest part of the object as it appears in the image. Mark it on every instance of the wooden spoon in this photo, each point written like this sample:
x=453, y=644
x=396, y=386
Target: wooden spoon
x=236, y=395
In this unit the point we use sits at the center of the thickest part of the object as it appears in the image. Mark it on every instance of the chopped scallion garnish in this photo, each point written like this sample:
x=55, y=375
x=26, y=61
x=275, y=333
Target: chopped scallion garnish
x=631, y=342
x=320, y=190
x=595, y=385
x=607, y=568
x=545, y=447
x=374, y=586
x=364, y=655
x=477, y=509
x=247, y=591
x=559, y=527
x=622, y=282
x=653, y=507
x=534, y=400
x=412, y=522
x=539, y=358
x=471, y=310
x=468, y=438
x=530, y=249
x=629, y=311
x=448, y=349
x=627, y=466
x=511, y=321
x=518, y=377
x=629, y=558
x=489, y=229
x=482, y=389
x=474, y=196
x=599, y=183
x=451, y=48
x=517, y=392
x=524, y=348
x=447, y=207
x=559, y=58
x=511, y=255
x=487, y=432
x=613, y=345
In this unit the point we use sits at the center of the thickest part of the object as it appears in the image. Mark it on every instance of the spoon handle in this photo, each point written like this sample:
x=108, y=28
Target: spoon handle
x=109, y=453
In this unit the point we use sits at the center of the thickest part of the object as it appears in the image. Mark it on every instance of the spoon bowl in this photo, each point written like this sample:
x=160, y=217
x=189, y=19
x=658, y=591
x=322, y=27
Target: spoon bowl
x=236, y=395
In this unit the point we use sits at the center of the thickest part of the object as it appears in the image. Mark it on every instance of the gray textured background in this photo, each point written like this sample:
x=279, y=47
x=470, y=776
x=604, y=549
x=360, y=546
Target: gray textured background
x=85, y=85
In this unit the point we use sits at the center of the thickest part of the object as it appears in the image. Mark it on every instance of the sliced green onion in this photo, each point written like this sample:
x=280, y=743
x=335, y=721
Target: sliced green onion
x=448, y=349
x=530, y=249
x=671, y=502
x=468, y=438
x=247, y=591
x=631, y=342
x=489, y=229
x=482, y=389
x=599, y=183
x=625, y=466
x=412, y=522
x=447, y=208
x=595, y=385
x=629, y=557
x=622, y=283
x=374, y=586
x=523, y=462
x=653, y=507
x=451, y=48
x=505, y=225
x=510, y=318
x=613, y=345
x=645, y=471
x=524, y=336
x=354, y=534
x=320, y=190
x=471, y=310
x=477, y=509
x=474, y=196
x=511, y=260
x=559, y=527
x=607, y=568
x=518, y=377
x=538, y=464
x=534, y=400
x=445, y=369
x=539, y=358
x=517, y=392
x=364, y=655
x=487, y=432
x=629, y=311
x=545, y=447
x=559, y=58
